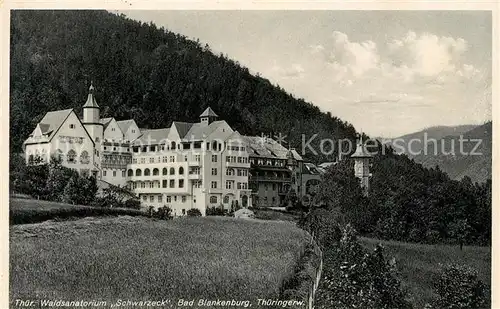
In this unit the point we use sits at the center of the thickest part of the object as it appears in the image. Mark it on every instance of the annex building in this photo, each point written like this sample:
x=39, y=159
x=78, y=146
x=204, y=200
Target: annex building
x=188, y=165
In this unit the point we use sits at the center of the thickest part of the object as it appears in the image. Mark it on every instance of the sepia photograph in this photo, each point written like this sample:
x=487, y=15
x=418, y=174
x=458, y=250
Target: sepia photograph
x=306, y=159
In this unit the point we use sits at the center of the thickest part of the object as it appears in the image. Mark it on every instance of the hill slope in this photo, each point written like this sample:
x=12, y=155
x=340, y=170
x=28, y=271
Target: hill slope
x=146, y=73
x=437, y=132
x=471, y=162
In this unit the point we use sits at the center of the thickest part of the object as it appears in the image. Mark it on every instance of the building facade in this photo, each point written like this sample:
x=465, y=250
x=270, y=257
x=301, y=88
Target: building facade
x=189, y=165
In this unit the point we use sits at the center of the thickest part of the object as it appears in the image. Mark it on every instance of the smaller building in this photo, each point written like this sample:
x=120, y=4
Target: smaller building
x=362, y=159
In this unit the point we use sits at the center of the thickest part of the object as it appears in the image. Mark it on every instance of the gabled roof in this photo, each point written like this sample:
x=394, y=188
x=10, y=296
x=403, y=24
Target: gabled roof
x=91, y=102
x=125, y=124
x=183, y=127
x=53, y=120
x=105, y=121
x=199, y=131
x=209, y=113
x=152, y=137
x=267, y=147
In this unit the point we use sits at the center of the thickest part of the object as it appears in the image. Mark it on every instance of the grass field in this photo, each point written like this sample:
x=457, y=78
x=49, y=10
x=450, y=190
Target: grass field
x=418, y=264
x=139, y=258
x=31, y=211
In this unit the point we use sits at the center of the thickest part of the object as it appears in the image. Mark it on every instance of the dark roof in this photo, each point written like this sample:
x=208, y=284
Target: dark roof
x=182, y=128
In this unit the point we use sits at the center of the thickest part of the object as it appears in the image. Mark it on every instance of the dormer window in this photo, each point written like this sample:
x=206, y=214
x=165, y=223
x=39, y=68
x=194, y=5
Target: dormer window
x=71, y=126
x=133, y=131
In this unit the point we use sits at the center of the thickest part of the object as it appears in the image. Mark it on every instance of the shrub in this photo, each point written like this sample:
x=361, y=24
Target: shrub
x=194, y=212
x=458, y=287
x=215, y=211
x=132, y=203
x=163, y=213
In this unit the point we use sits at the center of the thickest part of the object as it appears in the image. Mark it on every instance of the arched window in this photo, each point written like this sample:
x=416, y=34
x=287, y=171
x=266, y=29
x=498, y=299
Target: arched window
x=226, y=199
x=138, y=172
x=84, y=157
x=214, y=145
x=244, y=201
x=172, y=171
x=181, y=170
x=213, y=200
x=165, y=171
x=71, y=156
x=147, y=172
x=130, y=172
x=172, y=145
x=156, y=172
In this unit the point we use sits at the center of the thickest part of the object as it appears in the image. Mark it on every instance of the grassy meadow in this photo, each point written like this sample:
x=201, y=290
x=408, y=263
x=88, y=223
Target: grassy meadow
x=138, y=258
x=418, y=264
x=31, y=211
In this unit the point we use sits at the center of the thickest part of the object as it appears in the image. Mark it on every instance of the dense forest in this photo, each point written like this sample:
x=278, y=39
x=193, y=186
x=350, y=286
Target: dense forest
x=146, y=73
x=155, y=76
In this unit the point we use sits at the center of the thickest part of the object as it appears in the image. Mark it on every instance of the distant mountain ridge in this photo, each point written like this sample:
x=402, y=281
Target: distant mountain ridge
x=436, y=132
x=473, y=160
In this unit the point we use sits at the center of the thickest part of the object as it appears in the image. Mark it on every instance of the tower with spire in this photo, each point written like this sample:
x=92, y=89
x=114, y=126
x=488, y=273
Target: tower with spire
x=361, y=159
x=91, y=122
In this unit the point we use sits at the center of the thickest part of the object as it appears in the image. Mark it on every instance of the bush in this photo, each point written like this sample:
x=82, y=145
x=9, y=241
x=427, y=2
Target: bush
x=458, y=287
x=163, y=213
x=215, y=211
x=194, y=212
x=132, y=203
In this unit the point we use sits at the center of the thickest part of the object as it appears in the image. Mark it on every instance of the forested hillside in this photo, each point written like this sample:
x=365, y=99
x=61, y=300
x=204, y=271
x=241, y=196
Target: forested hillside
x=143, y=72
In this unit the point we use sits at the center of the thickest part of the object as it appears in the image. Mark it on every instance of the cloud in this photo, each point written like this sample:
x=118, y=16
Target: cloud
x=352, y=57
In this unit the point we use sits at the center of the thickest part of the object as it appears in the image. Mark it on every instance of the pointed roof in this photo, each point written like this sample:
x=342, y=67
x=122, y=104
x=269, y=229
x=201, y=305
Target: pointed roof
x=361, y=151
x=105, y=121
x=182, y=127
x=153, y=136
x=53, y=120
x=208, y=113
x=91, y=102
x=125, y=124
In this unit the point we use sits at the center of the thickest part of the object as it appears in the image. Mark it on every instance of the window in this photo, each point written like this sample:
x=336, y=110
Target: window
x=229, y=184
x=133, y=131
x=172, y=159
x=114, y=173
x=214, y=158
x=214, y=184
x=183, y=199
x=156, y=172
x=130, y=173
x=181, y=183
x=213, y=200
x=169, y=199
x=185, y=158
x=71, y=126
x=84, y=157
x=165, y=171
x=123, y=173
x=172, y=145
x=164, y=183
x=159, y=199
x=183, y=212
x=113, y=129
x=181, y=170
x=214, y=171
x=138, y=172
x=144, y=197
x=226, y=199
x=152, y=198
x=71, y=156
x=143, y=160
x=151, y=184
x=134, y=160
x=104, y=173
x=172, y=171
x=147, y=172
x=143, y=185
x=197, y=145
x=151, y=160
x=164, y=159
x=197, y=158
x=172, y=183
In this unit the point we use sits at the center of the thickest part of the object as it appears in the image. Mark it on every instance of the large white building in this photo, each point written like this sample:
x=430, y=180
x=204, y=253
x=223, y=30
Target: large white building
x=189, y=165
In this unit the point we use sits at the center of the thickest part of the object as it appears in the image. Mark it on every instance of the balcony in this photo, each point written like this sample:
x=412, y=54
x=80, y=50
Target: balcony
x=270, y=179
x=194, y=163
x=236, y=164
x=194, y=176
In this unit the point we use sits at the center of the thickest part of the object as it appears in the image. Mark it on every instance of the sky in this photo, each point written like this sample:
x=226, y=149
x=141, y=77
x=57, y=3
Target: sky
x=388, y=73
